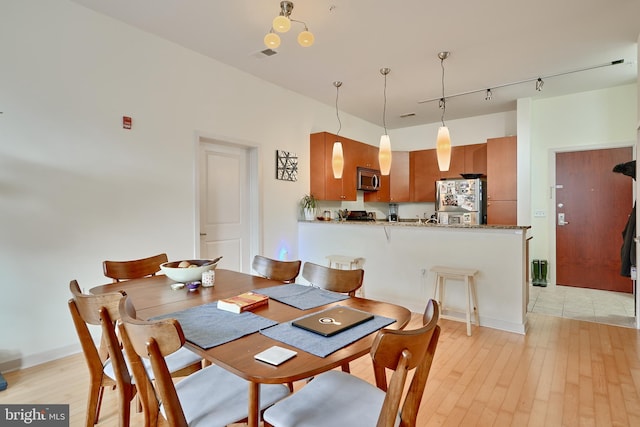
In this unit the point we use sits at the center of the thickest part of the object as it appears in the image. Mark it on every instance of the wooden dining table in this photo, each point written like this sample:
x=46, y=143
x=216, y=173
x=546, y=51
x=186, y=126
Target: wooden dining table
x=153, y=296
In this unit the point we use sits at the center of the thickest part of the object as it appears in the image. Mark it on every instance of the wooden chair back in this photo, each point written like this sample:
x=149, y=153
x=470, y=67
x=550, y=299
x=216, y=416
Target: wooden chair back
x=101, y=310
x=282, y=271
x=153, y=341
x=402, y=351
x=134, y=269
x=332, y=279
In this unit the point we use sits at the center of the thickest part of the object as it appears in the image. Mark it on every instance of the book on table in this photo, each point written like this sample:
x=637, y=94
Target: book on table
x=243, y=302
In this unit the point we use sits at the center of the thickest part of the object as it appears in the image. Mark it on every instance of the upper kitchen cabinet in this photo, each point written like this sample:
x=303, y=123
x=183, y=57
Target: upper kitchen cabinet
x=323, y=185
x=423, y=172
x=356, y=154
x=502, y=181
x=475, y=158
x=400, y=177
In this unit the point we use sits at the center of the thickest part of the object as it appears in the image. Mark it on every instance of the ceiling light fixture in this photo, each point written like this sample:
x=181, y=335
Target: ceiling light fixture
x=384, y=152
x=535, y=79
x=539, y=84
x=337, y=157
x=488, y=96
x=443, y=141
x=282, y=24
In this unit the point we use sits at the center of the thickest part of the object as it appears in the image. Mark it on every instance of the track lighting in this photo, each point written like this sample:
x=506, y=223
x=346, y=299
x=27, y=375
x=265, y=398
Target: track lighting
x=282, y=24
x=539, y=82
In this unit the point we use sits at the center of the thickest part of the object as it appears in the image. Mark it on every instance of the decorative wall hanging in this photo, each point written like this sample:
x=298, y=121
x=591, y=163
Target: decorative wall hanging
x=286, y=166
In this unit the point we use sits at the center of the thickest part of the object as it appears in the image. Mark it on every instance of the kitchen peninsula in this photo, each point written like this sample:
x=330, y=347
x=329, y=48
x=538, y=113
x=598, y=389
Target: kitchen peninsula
x=399, y=256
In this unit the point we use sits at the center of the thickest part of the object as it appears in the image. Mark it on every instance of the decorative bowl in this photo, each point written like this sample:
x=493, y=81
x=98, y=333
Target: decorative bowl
x=188, y=274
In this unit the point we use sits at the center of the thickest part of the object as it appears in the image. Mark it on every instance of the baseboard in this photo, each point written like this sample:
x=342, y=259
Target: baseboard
x=39, y=358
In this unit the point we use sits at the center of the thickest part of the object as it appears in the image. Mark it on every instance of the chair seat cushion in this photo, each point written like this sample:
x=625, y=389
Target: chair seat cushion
x=175, y=361
x=216, y=397
x=331, y=399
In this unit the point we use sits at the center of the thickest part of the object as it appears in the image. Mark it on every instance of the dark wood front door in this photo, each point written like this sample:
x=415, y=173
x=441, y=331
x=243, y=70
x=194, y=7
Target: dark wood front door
x=596, y=203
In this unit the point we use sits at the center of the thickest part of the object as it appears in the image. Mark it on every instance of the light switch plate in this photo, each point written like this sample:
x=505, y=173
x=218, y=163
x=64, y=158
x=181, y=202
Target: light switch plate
x=539, y=213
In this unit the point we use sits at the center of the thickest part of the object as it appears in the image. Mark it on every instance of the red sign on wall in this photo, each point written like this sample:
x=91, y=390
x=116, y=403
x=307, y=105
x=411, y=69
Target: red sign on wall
x=126, y=122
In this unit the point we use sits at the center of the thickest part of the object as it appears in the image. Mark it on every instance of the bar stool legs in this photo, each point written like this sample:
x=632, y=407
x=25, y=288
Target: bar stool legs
x=465, y=275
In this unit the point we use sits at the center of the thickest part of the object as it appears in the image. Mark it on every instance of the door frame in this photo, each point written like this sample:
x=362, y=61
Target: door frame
x=254, y=190
x=551, y=220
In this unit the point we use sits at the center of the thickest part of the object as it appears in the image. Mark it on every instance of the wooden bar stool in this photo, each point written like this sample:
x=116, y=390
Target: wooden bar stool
x=345, y=262
x=466, y=275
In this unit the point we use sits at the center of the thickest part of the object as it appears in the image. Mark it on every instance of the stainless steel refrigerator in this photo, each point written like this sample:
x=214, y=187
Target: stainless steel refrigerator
x=461, y=201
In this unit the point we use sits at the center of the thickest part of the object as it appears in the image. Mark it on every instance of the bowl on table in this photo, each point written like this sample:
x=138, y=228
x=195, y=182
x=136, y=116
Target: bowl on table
x=189, y=270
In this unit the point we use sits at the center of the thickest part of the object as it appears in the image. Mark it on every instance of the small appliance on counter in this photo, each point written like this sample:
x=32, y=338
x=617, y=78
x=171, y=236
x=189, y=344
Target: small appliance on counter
x=393, y=212
x=361, y=216
x=461, y=201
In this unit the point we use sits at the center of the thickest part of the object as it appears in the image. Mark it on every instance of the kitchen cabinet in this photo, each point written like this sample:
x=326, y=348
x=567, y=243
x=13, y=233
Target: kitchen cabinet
x=502, y=181
x=475, y=158
x=399, y=177
x=324, y=186
x=424, y=172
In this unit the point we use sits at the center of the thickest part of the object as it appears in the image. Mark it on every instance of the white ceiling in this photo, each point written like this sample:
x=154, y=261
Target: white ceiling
x=492, y=43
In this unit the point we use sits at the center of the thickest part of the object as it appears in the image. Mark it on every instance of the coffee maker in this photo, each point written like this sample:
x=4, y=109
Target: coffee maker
x=393, y=212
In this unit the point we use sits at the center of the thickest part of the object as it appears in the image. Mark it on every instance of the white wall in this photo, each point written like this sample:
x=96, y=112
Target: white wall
x=588, y=120
x=76, y=189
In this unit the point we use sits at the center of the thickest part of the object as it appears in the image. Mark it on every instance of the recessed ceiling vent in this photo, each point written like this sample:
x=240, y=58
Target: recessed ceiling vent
x=405, y=115
x=264, y=53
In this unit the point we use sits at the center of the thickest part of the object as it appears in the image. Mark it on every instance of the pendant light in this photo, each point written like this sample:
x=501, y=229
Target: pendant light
x=443, y=141
x=384, y=153
x=337, y=157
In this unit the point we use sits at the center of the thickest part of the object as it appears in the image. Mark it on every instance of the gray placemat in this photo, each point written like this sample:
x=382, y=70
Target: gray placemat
x=207, y=327
x=319, y=345
x=301, y=296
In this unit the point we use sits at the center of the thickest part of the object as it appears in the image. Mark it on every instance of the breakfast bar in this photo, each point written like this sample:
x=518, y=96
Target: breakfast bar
x=398, y=258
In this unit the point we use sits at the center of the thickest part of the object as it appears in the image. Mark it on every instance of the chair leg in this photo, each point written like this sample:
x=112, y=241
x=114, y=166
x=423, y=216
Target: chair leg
x=93, y=404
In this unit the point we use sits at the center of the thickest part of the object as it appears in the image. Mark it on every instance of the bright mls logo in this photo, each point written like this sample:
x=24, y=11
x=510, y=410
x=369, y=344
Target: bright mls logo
x=34, y=415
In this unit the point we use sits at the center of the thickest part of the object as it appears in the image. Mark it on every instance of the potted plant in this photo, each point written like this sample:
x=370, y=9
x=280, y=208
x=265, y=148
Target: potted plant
x=309, y=205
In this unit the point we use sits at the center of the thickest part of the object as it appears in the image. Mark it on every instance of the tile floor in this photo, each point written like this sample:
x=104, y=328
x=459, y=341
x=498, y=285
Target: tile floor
x=612, y=308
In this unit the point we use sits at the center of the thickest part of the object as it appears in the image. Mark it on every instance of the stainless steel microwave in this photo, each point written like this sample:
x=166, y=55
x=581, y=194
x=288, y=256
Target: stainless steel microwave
x=368, y=179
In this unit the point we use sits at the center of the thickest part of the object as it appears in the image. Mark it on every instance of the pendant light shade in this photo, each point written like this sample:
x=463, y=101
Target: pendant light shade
x=384, y=155
x=337, y=156
x=443, y=148
x=443, y=141
x=384, y=152
x=337, y=160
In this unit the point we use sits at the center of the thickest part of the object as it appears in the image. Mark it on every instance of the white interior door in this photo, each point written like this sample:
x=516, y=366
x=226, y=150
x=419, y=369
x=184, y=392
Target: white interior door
x=224, y=204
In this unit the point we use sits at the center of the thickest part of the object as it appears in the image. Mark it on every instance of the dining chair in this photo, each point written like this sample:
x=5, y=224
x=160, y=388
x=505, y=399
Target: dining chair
x=333, y=279
x=107, y=365
x=281, y=271
x=212, y=396
x=336, y=398
x=134, y=269
x=106, y=369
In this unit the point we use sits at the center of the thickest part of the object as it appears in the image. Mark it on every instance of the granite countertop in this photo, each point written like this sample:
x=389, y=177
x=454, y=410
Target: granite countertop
x=415, y=223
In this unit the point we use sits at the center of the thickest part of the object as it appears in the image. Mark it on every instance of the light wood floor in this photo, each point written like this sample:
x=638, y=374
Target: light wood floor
x=564, y=372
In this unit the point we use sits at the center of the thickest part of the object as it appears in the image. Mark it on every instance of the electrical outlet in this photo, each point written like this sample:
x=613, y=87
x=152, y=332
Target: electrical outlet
x=539, y=213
